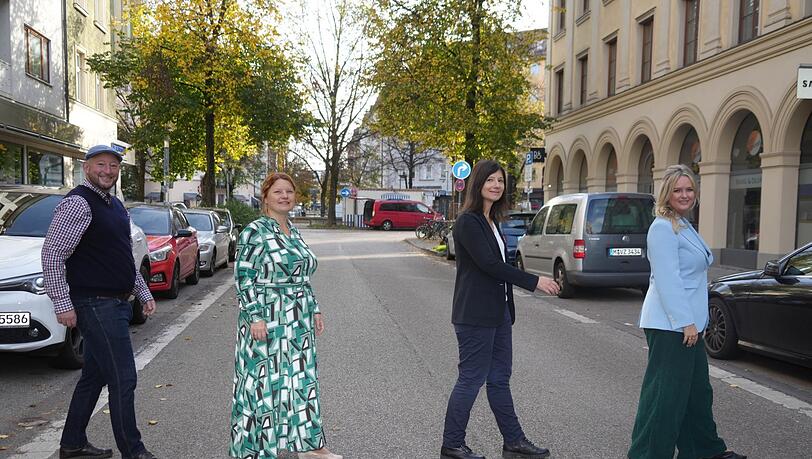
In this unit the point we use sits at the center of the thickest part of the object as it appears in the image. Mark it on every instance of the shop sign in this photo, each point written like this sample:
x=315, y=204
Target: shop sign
x=805, y=81
x=745, y=181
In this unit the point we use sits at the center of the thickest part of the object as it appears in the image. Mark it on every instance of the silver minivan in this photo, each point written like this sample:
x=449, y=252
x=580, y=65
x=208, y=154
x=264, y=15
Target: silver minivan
x=590, y=240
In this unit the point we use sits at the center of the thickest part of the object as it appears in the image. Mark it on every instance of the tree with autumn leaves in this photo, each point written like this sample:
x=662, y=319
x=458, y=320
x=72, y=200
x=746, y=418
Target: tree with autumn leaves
x=452, y=74
x=211, y=76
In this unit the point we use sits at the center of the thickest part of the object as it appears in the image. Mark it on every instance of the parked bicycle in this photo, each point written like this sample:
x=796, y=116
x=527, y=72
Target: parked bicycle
x=434, y=229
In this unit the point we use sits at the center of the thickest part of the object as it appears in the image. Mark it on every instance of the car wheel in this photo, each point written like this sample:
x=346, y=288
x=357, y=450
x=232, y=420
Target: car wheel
x=566, y=290
x=721, y=339
x=386, y=226
x=448, y=254
x=519, y=261
x=194, y=278
x=72, y=354
x=232, y=252
x=212, y=265
x=138, y=308
x=175, y=285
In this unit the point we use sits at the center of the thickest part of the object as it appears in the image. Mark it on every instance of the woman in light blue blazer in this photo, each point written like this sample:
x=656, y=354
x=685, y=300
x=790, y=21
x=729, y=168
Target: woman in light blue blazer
x=676, y=399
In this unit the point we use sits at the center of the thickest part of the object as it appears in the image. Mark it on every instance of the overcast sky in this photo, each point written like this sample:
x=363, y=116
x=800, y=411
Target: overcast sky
x=534, y=15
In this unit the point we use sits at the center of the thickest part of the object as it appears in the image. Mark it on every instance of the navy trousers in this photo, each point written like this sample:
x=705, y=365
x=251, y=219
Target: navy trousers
x=486, y=356
x=108, y=361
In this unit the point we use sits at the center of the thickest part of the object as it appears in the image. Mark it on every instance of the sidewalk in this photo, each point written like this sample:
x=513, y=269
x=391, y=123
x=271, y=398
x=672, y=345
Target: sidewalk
x=714, y=272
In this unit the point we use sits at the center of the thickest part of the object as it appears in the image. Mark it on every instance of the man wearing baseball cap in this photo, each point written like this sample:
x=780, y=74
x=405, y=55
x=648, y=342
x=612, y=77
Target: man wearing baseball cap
x=89, y=275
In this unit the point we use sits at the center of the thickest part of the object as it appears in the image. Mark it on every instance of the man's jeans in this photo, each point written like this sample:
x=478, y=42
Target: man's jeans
x=486, y=355
x=108, y=361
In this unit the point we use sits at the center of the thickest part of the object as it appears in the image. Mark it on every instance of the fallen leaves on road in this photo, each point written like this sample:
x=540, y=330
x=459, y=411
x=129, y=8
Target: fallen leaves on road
x=163, y=399
x=152, y=422
x=106, y=411
x=3, y=436
x=31, y=423
x=158, y=386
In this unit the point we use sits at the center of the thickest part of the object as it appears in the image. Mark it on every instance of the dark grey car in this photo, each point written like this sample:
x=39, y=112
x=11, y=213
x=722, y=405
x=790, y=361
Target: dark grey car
x=590, y=240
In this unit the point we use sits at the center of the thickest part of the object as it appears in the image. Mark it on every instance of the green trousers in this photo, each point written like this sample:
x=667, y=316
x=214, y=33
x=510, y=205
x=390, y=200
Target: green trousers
x=676, y=402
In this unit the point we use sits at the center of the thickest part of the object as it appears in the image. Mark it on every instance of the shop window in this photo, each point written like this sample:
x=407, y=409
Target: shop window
x=803, y=233
x=45, y=169
x=744, y=199
x=78, y=172
x=611, y=171
x=559, y=181
x=645, y=170
x=583, y=187
x=690, y=154
x=11, y=164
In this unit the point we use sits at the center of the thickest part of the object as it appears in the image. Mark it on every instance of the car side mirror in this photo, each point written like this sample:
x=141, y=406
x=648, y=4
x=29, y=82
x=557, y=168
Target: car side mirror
x=772, y=269
x=184, y=233
x=222, y=229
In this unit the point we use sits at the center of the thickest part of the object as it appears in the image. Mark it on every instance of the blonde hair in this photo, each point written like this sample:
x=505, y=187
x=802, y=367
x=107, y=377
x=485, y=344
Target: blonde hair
x=662, y=208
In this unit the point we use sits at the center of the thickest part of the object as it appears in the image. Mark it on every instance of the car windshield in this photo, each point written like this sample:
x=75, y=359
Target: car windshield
x=200, y=222
x=154, y=222
x=224, y=217
x=26, y=214
x=517, y=221
x=619, y=215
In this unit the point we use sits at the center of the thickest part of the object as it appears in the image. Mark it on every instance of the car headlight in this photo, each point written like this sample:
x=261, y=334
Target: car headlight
x=205, y=247
x=160, y=254
x=33, y=283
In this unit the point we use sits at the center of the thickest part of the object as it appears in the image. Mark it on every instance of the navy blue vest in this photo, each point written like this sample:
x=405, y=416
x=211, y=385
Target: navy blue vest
x=102, y=263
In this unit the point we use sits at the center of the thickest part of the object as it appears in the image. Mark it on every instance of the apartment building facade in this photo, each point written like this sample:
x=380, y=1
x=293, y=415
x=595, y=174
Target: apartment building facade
x=35, y=135
x=638, y=85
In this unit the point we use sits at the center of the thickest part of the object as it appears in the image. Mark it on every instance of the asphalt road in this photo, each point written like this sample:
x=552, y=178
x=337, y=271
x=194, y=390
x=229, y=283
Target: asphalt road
x=387, y=363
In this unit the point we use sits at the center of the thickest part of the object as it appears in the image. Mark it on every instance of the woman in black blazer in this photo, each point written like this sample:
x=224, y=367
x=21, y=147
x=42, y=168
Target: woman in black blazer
x=483, y=315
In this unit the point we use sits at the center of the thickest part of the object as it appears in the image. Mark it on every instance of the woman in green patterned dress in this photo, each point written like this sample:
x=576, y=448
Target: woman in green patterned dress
x=276, y=389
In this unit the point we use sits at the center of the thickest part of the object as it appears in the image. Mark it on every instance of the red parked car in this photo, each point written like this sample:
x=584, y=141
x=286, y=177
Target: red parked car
x=387, y=214
x=173, y=247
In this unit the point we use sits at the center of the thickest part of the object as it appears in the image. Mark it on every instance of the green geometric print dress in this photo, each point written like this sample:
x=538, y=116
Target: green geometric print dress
x=276, y=388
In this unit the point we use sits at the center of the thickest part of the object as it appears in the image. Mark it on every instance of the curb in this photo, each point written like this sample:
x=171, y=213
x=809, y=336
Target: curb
x=428, y=251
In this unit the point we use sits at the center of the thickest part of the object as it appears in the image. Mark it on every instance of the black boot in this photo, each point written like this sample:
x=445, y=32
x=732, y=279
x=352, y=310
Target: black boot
x=463, y=452
x=525, y=449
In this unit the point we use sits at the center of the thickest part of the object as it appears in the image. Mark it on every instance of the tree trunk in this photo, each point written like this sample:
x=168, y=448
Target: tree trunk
x=140, y=175
x=324, y=186
x=411, y=165
x=207, y=184
x=333, y=189
x=471, y=151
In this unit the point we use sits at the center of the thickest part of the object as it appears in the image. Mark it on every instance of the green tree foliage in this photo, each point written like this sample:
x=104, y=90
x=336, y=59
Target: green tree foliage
x=453, y=74
x=208, y=74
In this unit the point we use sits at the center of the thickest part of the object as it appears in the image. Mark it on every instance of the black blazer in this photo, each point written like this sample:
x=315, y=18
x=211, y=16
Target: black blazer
x=479, y=292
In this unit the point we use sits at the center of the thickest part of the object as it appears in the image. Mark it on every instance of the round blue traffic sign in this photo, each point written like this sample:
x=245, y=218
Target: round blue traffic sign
x=461, y=170
x=345, y=192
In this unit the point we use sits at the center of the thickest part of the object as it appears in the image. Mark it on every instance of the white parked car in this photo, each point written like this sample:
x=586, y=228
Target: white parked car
x=27, y=319
x=213, y=238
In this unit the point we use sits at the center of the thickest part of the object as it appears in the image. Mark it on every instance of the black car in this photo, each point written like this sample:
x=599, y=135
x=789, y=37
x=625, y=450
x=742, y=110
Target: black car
x=767, y=311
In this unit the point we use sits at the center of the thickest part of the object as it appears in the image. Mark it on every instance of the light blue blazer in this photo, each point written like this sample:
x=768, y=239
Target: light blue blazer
x=678, y=288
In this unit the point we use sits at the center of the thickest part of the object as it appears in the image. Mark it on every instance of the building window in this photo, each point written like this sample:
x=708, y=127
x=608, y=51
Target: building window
x=690, y=154
x=583, y=66
x=585, y=6
x=11, y=163
x=45, y=169
x=100, y=11
x=559, y=91
x=744, y=199
x=583, y=186
x=81, y=76
x=645, y=62
x=611, y=71
x=562, y=15
x=803, y=233
x=645, y=170
x=691, y=31
x=611, y=170
x=748, y=20
x=38, y=55
x=99, y=92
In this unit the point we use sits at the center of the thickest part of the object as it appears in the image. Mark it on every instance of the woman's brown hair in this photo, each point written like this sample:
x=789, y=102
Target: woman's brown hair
x=270, y=180
x=474, y=202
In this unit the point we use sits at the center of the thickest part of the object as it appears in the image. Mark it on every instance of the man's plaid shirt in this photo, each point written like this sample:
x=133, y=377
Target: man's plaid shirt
x=72, y=216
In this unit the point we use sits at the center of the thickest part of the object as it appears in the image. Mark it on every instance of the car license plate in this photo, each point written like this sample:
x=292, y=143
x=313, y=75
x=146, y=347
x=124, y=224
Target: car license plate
x=625, y=252
x=15, y=319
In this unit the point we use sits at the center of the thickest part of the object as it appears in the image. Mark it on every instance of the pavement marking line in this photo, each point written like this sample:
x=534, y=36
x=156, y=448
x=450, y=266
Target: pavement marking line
x=46, y=443
x=370, y=256
x=576, y=316
x=755, y=388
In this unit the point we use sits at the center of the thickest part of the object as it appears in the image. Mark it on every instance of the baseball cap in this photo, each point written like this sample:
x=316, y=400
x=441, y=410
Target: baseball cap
x=99, y=149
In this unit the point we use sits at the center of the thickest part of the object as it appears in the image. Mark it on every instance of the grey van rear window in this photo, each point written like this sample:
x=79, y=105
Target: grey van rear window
x=619, y=215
